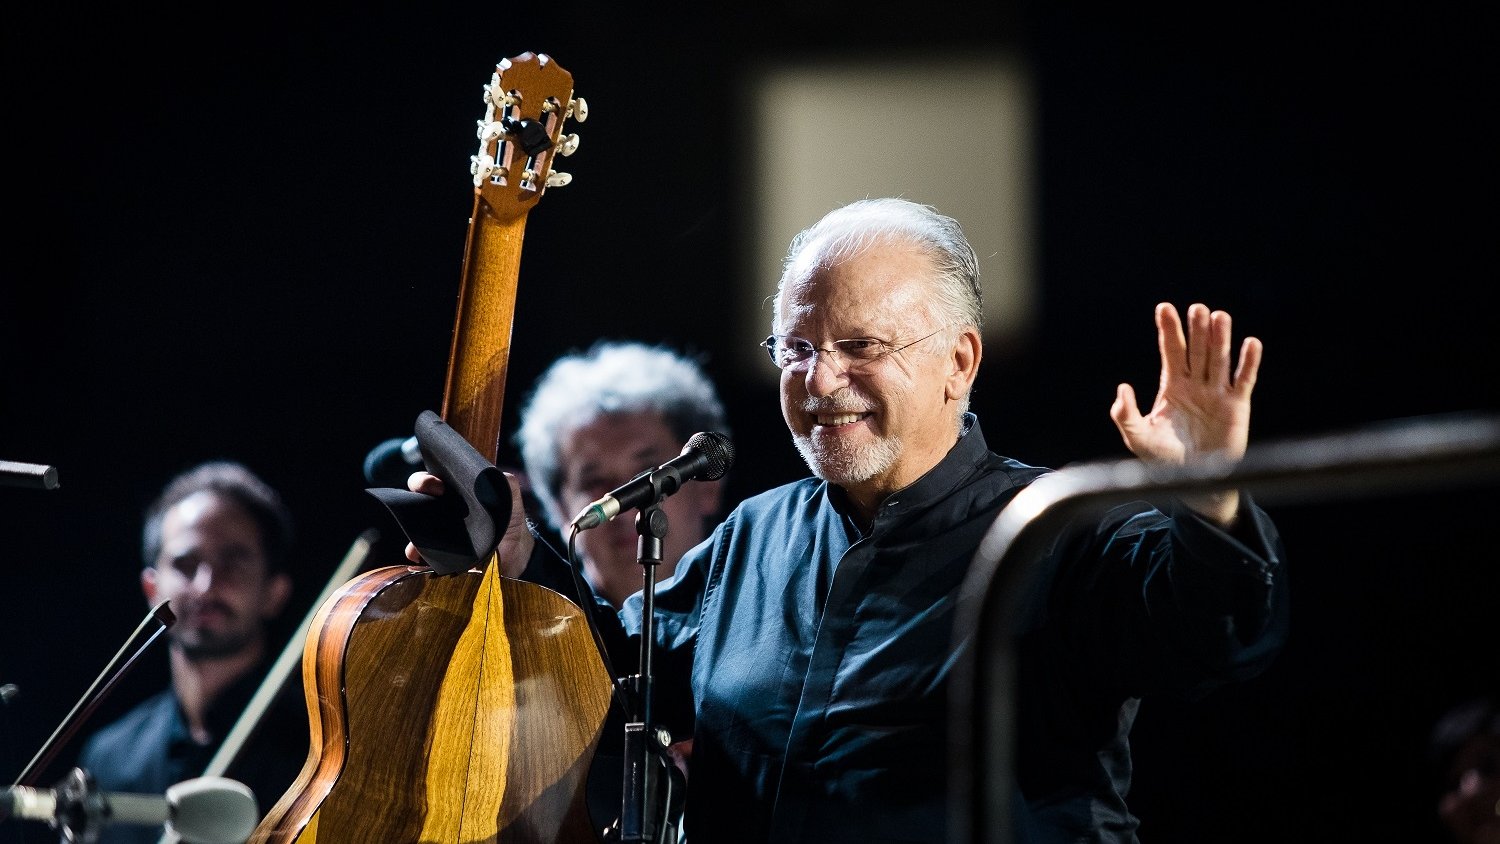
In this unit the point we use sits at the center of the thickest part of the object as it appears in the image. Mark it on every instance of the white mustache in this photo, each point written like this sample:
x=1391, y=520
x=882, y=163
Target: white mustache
x=834, y=404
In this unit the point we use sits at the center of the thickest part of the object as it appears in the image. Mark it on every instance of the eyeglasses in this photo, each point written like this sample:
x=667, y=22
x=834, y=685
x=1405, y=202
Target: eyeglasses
x=795, y=354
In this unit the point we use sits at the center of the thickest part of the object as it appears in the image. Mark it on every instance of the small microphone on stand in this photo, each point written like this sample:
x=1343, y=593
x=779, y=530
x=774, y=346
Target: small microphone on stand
x=33, y=475
x=390, y=463
x=706, y=457
x=206, y=810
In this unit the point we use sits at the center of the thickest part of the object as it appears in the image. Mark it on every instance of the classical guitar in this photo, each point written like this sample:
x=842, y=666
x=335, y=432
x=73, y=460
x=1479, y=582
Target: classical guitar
x=460, y=706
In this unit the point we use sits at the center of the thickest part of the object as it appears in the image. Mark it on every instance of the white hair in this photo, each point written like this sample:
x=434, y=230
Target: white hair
x=611, y=377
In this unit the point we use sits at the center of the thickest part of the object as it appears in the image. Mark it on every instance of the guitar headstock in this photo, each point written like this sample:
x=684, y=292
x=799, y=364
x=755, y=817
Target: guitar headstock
x=527, y=102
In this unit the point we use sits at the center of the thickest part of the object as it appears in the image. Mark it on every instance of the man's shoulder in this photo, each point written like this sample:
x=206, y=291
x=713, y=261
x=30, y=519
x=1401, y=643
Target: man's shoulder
x=129, y=753
x=793, y=493
x=152, y=715
x=1012, y=470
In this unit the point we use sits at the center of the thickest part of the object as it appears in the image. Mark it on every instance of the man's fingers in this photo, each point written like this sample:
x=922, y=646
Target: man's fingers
x=517, y=506
x=425, y=482
x=1124, y=411
x=1220, y=334
x=1170, y=340
x=428, y=484
x=1199, y=341
x=1249, y=368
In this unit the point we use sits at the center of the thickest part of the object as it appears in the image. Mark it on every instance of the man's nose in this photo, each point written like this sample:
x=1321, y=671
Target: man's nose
x=203, y=578
x=827, y=372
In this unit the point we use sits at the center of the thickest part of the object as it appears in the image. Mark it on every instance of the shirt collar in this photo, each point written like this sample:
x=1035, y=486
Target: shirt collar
x=962, y=459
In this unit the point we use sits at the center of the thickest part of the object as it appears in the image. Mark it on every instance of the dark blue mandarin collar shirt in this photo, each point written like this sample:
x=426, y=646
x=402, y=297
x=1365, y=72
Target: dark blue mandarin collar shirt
x=810, y=661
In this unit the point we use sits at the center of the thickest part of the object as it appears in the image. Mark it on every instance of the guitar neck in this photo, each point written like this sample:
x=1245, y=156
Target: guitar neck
x=474, y=396
x=526, y=104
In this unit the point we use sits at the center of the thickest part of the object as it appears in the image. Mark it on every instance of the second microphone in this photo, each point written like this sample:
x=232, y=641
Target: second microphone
x=706, y=457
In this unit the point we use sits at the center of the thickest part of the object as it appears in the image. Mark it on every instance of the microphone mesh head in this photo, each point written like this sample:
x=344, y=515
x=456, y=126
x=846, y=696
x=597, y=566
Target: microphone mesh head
x=212, y=810
x=718, y=453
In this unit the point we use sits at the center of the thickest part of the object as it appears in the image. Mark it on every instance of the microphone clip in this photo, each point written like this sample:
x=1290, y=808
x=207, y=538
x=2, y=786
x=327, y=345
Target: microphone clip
x=662, y=480
x=206, y=810
x=75, y=807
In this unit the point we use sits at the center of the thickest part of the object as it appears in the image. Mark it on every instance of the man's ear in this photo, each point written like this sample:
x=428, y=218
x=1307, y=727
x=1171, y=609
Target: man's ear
x=148, y=584
x=278, y=590
x=967, y=350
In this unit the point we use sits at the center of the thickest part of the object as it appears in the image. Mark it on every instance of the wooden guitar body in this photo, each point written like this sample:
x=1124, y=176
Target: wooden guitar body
x=467, y=735
x=459, y=707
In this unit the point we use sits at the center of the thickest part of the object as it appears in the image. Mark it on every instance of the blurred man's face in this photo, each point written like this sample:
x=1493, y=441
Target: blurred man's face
x=213, y=570
x=598, y=457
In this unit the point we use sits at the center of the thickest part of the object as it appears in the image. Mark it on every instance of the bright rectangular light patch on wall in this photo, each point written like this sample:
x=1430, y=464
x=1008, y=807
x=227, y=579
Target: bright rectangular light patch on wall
x=951, y=132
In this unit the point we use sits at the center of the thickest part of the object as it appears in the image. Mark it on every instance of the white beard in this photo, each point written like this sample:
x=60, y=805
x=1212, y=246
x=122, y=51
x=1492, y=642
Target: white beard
x=840, y=464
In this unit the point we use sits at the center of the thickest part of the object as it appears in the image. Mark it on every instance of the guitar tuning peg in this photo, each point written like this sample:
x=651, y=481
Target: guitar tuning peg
x=557, y=179
x=481, y=167
x=494, y=95
x=578, y=109
x=488, y=130
x=568, y=145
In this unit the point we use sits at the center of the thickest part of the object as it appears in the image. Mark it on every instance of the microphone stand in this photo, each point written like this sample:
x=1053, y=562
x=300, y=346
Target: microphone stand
x=654, y=787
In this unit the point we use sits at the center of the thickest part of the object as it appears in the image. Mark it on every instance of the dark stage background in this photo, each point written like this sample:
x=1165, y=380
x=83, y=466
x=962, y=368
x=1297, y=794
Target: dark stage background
x=239, y=234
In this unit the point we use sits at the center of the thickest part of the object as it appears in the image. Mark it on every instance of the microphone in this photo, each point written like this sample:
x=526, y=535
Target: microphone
x=34, y=475
x=206, y=810
x=391, y=462
x=706, y=457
